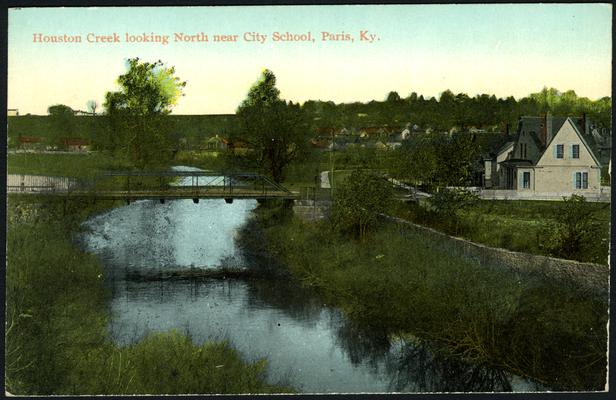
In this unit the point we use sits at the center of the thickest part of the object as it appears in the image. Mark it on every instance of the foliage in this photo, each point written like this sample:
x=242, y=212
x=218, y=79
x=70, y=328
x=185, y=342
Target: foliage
x=402, y=281
x=359, y=201
x=437, y=160
x=575, y=229
x=275, y=131
x=457, y=110
x=194, y=128
x=135, y=114
x=62, y=119
x=447, y=204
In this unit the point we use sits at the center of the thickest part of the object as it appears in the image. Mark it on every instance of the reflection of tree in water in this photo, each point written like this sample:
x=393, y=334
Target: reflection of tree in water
x=296, y=302
x=413, y=367
x=416, y=368
x=363, y=346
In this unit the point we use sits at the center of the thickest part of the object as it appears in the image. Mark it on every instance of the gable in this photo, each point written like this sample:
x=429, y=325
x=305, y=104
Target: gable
x=567, y=135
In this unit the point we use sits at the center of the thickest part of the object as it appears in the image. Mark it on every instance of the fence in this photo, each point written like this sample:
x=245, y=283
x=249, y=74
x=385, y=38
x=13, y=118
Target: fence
x=38, y=183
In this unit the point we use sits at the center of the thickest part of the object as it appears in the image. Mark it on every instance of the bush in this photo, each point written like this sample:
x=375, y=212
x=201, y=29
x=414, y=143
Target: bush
x=359, y=201
x=576, y=231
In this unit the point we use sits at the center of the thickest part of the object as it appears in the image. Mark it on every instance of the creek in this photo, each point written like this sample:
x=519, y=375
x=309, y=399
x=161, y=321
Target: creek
x=308, y=345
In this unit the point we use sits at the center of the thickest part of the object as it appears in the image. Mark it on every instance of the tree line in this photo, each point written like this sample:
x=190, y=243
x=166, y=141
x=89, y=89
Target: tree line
x=459, y=110
x=136, y=125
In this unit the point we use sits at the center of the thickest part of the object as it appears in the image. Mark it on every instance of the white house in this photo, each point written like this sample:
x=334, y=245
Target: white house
x=550, y=157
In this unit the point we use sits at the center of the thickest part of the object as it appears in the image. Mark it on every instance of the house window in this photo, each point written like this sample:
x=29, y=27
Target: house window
x=575, y=151
x=560, y=151
x=581, y=180
x=526, y=180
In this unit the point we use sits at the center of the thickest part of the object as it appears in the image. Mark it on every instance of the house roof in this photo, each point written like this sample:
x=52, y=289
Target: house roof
x=30, y=139
x=577, y=131
x=75, y=142
x=505, y=147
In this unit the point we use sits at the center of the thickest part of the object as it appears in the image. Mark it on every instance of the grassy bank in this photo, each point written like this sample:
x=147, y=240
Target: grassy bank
x=57, y=339
x=399, y=280
x=72, y=165
x=526, y=226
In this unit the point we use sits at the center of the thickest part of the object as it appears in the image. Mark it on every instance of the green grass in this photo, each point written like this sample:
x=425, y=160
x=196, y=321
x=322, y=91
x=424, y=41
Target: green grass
x=405, y=283
x=57, y=338
x=525, y=226
x=71, y=165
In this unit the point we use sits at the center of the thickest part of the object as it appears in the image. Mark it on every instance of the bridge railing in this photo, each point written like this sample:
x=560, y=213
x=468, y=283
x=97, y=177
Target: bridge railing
x=197, y=183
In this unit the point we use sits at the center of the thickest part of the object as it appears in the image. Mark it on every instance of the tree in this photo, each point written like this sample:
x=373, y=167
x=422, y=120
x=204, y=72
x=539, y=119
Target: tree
x=360, y=200
x=137, y=127
x=92, y=106
x=393, y=97
x=575, y=231
x=274, y=131
x=62, y=119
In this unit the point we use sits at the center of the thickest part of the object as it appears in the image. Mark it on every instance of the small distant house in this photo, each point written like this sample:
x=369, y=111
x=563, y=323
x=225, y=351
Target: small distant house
x=76, y=144
x=548, y=155
x=30, y=142
x=12, y=112
x=216, y=143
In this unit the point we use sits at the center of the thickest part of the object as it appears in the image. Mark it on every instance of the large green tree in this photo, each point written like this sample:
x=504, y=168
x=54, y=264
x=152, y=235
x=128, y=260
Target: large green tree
x=274, y=130
x=62, y=120
x=136, y=113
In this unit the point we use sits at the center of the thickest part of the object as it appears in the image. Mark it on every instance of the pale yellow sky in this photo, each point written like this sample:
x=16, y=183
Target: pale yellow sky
x=496, y=49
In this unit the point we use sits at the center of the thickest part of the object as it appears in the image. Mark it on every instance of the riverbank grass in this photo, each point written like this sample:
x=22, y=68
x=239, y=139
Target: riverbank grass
x=57, y=338
x=405, y=283
x=522, y=225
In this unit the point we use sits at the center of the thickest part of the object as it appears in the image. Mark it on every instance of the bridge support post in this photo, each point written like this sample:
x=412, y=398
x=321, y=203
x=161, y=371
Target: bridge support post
x=229, y=200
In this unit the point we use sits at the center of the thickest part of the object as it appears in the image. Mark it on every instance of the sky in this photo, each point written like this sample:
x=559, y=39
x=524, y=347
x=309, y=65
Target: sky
x=501, y=49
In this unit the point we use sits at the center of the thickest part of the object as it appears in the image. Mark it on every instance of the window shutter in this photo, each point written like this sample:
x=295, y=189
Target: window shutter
x=574, y=186
x=570, y=151
x=554, y=151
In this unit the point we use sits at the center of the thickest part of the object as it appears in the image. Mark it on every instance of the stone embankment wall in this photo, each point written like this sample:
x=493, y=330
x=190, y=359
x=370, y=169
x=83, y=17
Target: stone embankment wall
x=588, y=277
x=306, y=210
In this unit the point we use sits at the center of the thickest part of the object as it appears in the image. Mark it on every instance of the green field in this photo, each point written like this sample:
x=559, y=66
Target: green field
x=522, y=225
x=78, y=165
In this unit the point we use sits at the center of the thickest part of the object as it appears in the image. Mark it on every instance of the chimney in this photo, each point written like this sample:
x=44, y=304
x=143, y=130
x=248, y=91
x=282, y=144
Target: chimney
x=548, y=127
x=585, y=124
x=507, y=130
x=544, y=130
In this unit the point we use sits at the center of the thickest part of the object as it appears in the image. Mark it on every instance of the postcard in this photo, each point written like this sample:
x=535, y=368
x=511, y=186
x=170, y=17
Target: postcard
x=327, y=199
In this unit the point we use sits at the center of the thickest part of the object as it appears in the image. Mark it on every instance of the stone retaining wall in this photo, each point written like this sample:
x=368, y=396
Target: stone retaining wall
x=588, y=277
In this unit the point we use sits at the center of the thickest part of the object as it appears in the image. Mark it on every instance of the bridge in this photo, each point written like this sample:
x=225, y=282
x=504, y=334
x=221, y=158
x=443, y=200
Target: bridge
x=142, y=185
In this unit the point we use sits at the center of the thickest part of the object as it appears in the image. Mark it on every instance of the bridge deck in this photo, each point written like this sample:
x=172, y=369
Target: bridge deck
x=154, y=185
x=176, y=193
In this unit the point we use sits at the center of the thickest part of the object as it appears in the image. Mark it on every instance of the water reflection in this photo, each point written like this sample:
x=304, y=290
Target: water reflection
x=309, y=345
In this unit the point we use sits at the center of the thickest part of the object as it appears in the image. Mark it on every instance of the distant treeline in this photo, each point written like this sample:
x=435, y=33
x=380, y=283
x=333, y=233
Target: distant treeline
x=459, y=110
x=449, y=110
x=191, y=127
